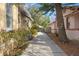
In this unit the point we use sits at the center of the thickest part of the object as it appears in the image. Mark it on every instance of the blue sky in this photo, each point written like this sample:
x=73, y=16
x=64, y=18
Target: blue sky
x=52, y=17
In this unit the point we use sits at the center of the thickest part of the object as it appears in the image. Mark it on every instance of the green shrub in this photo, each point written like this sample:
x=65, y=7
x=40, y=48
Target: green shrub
x=19, y=36
x=34, y=26
x=33, y=31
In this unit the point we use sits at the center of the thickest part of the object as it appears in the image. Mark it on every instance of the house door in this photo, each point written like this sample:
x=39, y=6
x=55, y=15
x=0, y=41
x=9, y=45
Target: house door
x=9, y=18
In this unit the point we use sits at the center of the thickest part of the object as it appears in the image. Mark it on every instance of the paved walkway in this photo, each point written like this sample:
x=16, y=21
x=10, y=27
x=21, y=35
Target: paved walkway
x=42, y=45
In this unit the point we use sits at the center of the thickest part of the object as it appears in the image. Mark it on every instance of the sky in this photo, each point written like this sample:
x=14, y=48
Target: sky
x=53, y=16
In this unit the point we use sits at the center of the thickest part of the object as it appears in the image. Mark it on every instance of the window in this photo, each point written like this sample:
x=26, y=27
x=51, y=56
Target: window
x=9, y=16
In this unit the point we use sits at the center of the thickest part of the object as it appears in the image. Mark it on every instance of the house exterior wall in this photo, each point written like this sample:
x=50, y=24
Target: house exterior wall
x=52, y=26
x=18, y=21
x=3, y=23
x=2, y=16
x=72, y=33
x=73, y=30
x=77, y=21
x=72, y=22
x=15, y=17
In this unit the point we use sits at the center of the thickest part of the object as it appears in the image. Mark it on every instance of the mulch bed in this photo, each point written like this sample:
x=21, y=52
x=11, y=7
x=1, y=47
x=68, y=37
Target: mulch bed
x=71, y=48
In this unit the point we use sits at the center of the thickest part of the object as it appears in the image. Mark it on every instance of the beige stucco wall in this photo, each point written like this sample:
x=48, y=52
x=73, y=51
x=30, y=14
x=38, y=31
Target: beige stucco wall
x=71, y=34
x=52, y=27
x=2, y=16
x=19, y=20
x=15, y=17
x=71, y=20
x=77, y=21
x=74, y=23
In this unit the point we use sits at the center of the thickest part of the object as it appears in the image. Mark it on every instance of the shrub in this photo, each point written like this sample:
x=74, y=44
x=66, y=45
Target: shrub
x=14, y=41
x=34, y=29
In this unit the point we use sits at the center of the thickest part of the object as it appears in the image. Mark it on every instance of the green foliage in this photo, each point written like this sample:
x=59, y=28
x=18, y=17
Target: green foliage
x=19, y=36
x=46, y=7
x=44, y=21
x=34, y=26
x=35, y=15
x=39, y=18
x=33, y=29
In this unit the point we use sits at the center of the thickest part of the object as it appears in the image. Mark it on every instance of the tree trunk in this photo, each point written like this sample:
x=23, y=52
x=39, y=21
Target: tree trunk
x=60, y=23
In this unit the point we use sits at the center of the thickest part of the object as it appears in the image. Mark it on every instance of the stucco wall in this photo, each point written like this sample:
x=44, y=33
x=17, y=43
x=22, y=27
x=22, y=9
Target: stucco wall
x=71, y=20
x=15, y=17
x=74, y=23
x=2, y=16
x=54, y=27
x=71, y=34
x=77, y=21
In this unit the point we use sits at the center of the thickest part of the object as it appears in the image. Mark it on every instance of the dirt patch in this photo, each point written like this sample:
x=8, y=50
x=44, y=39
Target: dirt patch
x=71, y=48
